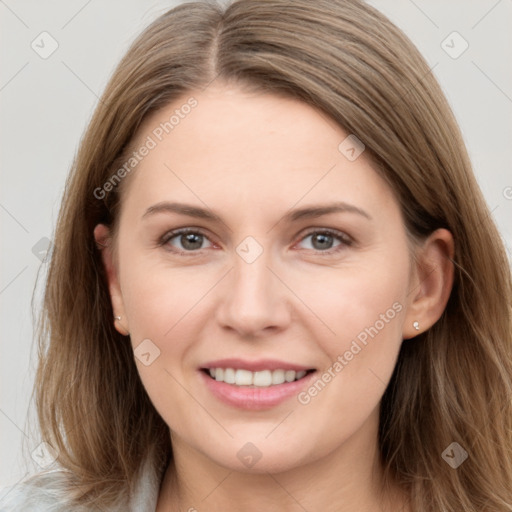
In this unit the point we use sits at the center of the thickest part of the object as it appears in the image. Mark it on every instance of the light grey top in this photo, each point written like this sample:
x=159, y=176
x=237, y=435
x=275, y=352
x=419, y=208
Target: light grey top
x=45, y=494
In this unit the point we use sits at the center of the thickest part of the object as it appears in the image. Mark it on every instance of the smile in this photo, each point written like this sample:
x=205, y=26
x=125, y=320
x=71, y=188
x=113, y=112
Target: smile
x=254, y=385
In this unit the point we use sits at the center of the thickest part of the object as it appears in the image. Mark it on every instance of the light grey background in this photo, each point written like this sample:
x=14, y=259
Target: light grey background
x=45, y=105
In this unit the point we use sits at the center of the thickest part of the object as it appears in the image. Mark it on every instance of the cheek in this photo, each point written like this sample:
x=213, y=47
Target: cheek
x=158, y=297
x=163, y=305
x=361, y=311
x=168, y=306
x=350, y=301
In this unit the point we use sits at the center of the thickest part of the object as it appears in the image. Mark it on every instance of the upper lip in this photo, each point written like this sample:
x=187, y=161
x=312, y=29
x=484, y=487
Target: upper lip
x=255, y=366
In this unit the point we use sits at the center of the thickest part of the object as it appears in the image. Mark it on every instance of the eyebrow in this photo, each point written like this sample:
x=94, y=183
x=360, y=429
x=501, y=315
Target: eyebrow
x=318, y=211
x=292, y=216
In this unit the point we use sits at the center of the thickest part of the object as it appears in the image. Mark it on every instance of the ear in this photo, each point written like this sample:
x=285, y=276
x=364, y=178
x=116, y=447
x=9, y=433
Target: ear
x=104, y=244
x=431, y=284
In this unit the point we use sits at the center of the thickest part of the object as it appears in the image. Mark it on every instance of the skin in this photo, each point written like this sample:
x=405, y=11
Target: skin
x=250, y=158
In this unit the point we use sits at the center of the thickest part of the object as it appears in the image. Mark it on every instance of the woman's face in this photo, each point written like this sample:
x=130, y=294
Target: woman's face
x=295, y=258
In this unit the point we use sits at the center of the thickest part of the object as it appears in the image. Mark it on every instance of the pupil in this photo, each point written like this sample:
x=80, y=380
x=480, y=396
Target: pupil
x=191, y=241
x=324, y=241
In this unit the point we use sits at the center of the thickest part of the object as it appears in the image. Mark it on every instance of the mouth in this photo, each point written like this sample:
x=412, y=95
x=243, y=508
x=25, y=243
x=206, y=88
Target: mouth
x=255, y=385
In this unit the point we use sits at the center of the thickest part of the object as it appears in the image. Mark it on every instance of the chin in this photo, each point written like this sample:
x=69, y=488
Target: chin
x=257, y=455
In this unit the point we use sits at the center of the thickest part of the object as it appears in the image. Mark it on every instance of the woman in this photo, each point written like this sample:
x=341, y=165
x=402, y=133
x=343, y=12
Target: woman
x=275, y=283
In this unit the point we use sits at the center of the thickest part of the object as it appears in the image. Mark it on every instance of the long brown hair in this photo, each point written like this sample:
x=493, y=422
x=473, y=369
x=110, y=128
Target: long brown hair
x=451, y=383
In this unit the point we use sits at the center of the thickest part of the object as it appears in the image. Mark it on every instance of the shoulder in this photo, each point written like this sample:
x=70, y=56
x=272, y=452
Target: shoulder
x=43, y=492
x=47, y=492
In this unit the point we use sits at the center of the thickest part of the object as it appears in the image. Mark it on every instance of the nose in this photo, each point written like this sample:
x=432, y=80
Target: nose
x=255, y=301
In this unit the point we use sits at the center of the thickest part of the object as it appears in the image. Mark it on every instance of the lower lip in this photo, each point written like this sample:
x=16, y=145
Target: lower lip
x=255, y=398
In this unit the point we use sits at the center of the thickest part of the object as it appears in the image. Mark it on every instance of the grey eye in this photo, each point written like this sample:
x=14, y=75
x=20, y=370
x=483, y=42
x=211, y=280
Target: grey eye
x=321, y=241
x=188, y=241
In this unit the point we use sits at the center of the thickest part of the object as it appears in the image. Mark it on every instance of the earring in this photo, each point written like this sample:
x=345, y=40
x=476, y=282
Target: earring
x=117, y=318
x=416, y=325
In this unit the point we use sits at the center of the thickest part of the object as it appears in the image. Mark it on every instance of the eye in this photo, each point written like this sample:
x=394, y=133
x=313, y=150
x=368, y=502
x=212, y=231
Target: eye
x=186, y=240
x=326, y=240
x=189, y=240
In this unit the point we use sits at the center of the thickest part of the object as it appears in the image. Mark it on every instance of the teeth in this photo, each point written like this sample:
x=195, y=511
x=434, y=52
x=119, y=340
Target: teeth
x=229, y=376
x=243, y=378
x=289, y=375
x=277, y=376
x=263, y=379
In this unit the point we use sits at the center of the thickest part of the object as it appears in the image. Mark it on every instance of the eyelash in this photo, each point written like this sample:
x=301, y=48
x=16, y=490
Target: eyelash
x=344, y=239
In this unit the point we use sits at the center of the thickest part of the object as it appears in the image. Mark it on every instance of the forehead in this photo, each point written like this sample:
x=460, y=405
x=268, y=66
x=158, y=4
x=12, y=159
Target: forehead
x=231, y=147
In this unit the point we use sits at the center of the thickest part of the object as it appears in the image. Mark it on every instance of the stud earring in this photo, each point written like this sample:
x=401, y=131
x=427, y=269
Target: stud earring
x=416, y=325
x=117, y=318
